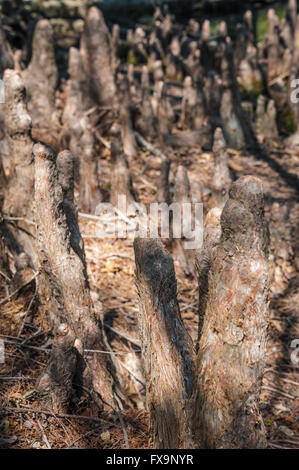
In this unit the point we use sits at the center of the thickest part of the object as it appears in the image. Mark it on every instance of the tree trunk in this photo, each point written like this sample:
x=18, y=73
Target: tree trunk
x=63, y=285
x=166, y=347
x=233, y=341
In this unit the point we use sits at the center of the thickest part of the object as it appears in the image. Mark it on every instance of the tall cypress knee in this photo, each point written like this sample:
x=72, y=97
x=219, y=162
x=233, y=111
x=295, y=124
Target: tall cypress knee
x=166, y=347
x=233, y=341
x=212, y=233
x=63, y=284
x=41, y=79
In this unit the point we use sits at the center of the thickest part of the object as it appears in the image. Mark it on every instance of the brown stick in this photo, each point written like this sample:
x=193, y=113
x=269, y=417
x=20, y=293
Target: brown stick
x=166, y=347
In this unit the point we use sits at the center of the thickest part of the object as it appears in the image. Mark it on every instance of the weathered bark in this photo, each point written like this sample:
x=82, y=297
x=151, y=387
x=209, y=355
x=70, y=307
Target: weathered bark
x=158, y=71
x=55, y=384
x=221, y=179
x=192, y=115
x=3, y=183
x=273, y=48
x=77, y=100
x=235, y=124
x=203, y=262
x=250, y=77
x=233, y=341
x=41, y=78
x=63, y=285
x=166, y=347
x=133, y=91
x=182, y=195
x=294, y=73
x=5, y=273
x=281, y=250
x=193, y=28
x=19, y=195
x=212, y=94
x=240, y=44
x=163, y=183
x=115, y=43
x=121, y=180
x=266, y=127
x=90, y=193
x=125, y=120
x=174, y=68
x=6, y=58
x=165, y=116
x=206, y=55
x=79, y=134
x=18, y=133
x=291, y=15
x=96, y=52
x=146, y=122
x=192, y=62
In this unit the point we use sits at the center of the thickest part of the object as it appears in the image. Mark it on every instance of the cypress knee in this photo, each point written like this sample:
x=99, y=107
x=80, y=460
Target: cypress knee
x=182, y=195
x=63, y=285
x=96, y=51
x=233, y=341
x=55, y=384
x=163, y=182
x=146, y=122
x=79, y=134
x=6, y=57
x=18, y=198
x=212, y=233
x=41, y=79
x=125, y=119
x=121, y=180
x=166, y=347
x=222, y=178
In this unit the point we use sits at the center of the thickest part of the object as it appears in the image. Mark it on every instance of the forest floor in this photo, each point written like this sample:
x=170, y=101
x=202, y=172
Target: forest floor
x=25, y=423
